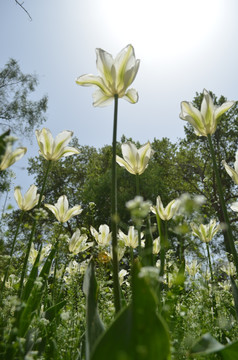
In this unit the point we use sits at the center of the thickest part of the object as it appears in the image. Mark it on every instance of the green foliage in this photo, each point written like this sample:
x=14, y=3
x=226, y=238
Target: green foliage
x=18, y=112
x=138, y=332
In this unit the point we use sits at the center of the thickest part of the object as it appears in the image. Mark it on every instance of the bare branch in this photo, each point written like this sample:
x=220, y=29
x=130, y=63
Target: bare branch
x=21, y=5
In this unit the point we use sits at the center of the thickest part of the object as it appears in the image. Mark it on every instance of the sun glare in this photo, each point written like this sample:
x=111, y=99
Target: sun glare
x=162, y=28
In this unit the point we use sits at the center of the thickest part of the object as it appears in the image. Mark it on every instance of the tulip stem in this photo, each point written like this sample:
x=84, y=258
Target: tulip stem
x=138, y=227
x=33, y=231
x=137, y=185
x=114, y=215
x=11, y=253
x=212, y=280
x=231, y=249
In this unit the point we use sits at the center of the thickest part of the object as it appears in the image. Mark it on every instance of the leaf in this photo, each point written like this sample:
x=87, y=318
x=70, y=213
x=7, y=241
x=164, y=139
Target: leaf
x=230, y=351
x=27, y=312
x=138, y=332
x=208, y=345
x=32, y=277
x=94, y=325
x=53, y=311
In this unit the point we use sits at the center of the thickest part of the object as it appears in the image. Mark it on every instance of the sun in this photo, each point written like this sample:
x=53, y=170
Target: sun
x=161, y=28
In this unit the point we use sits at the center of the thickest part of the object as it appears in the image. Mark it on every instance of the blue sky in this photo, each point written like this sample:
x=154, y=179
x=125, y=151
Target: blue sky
x=184, y=46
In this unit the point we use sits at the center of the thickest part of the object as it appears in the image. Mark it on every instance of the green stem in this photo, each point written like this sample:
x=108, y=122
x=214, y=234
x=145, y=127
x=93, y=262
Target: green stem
x=214, y=305
x=231, y=249
x=55, y=270
x=23, y=274
x=137, y=185
x=12, y=250
x=114, y=215
x=138, y=227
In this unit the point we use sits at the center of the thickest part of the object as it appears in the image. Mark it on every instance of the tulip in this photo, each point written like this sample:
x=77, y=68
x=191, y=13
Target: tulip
x=205, y=232
x=116, y=76
x=204, y=121
x=135, y=161
x=10, y=157
x=168, y=212
x=131, y=239
x=232, y=172
x=29, y=200
x=103, y=237
x=156, y=245
x=61, y=209
x=52, y=149
x=78, y=243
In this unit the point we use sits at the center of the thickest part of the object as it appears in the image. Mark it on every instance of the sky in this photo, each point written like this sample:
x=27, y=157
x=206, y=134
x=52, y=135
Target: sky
x=184, y=46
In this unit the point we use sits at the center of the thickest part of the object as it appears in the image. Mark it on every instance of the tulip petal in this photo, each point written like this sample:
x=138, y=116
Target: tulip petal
x=193, y=116
x=223, y=108
x=54, y=210
x=75, y=210
x=144, y=156
x=124, y=164
x=231, y=172
x=104, y=64
x=207, y=109
x=69, y=151
x=100, y=99
x=18, y=196
x=131, y=96
x=89, y=80
x=10, y=157
x=61, y=140
x=45, y=141
x=124, y=61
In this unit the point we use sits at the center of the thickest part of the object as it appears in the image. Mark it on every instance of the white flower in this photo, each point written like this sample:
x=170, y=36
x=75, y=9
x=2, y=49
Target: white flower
x=61, y=209
x=116, y=76
x=103, y=237
x=205, y=232
x=29, y=200
x=156, y=245
x=10, y=157
x=135, y=161
x=168, y=212
x=122, y=274
x=204, y=121
x=131, y=239
x=78, y=242
x=52, y=149
x=233, y=173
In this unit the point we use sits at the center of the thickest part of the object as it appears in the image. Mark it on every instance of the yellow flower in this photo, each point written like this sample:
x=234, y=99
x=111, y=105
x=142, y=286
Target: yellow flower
x=205, y=232
x=204, y=121
x=52, y=149
x=232, y=172
x=10, y=157
x=116, y=76
x=61, y=209
x=135, y=161
x=29, y=200
x=168, y=212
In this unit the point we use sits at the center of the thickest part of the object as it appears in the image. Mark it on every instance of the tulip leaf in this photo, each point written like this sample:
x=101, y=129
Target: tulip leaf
x=32, y=277
x=26, y=314
x=94, y=325
x=208, y=345
x=138, y=332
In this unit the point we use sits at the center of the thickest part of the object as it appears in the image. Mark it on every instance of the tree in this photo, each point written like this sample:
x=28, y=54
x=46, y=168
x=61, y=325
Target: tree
x=18, y=112
x=195, y=165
